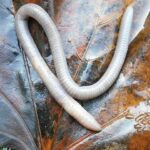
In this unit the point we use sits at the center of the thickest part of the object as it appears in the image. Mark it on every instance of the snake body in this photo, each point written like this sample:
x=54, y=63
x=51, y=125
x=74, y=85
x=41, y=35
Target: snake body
x=64, y=88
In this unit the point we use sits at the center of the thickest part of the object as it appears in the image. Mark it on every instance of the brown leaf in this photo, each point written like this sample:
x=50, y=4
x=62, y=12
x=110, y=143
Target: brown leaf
x=89, y=32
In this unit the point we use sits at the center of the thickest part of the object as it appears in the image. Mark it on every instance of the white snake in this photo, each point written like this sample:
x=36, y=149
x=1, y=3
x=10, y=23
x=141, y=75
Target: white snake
x=62, y=87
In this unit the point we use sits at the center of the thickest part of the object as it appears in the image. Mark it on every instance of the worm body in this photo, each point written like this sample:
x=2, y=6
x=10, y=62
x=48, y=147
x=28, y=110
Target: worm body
x=89, y=92
x=50, y=80
x=54, y=85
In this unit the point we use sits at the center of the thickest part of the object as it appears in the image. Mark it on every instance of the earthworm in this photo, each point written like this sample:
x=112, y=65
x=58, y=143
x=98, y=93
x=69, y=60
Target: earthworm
x=54, y=85
x=50, y=80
